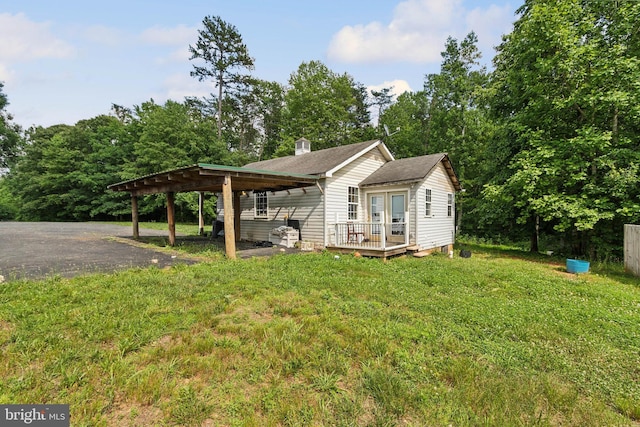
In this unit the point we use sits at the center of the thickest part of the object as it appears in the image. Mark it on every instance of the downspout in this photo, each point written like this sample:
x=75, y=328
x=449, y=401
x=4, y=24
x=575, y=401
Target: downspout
x=325, y=232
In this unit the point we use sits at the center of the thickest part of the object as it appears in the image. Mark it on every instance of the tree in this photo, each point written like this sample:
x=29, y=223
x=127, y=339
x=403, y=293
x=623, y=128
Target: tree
x=381, y=99
x=408, y=114
x=66, y=169
x=457, y=120
x=167, y=137
x=565, y=89
x=10, y=139
x=328, y=109
x=225, y=55
x=253, y=120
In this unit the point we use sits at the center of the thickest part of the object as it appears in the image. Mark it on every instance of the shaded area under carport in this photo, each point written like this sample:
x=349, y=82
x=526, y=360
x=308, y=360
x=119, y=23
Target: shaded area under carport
x=230, y=181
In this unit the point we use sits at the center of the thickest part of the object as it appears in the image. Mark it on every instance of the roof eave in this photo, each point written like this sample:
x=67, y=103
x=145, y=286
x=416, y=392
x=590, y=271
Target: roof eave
x=390, y=183
x=376, y=143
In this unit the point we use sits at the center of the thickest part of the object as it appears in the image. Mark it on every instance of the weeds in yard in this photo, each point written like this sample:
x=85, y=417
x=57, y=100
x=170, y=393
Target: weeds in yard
x=310, y=340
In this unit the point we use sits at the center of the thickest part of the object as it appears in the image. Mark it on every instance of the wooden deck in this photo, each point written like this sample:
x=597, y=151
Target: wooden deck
x=374, y=253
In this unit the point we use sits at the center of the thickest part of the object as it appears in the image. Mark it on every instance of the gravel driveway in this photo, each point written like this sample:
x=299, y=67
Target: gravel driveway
x=40, y=249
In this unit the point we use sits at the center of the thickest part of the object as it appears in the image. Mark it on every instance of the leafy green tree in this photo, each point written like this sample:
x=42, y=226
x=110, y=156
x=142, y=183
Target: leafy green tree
x=225, y=56
x=406, y=121
x=457, y=116
x=253, y=120
x=9, y=206
x=269, y=104
x=328, y=109
x=66, y=169
x=167, y=137
x=10, y=138
x=565, y=88
x=451, y=115
x=170, y=136
x=381, y=100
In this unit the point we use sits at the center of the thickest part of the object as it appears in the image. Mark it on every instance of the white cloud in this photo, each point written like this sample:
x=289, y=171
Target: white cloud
x=6, y=75
x=178, y=56
x=398, y=87
x=417, y=32
x=24, y=40
x=105, y=35
x=490, y=24
x=176, y=36
x=180, y=85
x=181, y=36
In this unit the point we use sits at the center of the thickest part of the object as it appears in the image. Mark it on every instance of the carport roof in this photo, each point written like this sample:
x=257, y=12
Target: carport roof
x=209, y=177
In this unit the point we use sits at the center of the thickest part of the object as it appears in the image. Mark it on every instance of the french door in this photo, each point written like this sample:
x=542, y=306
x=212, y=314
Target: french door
x=389, y=209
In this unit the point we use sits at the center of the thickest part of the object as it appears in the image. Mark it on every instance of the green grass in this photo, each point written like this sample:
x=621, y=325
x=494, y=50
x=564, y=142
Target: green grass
x=308, y=339
x=188, y=229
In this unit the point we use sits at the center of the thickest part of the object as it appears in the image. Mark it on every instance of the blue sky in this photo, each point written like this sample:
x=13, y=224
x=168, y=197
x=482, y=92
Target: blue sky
x=64, y=61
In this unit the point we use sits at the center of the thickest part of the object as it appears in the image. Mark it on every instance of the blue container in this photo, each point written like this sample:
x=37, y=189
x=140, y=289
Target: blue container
x=577, y=266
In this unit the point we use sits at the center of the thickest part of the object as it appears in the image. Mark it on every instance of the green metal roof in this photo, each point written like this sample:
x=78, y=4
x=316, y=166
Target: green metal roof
x=210, y=177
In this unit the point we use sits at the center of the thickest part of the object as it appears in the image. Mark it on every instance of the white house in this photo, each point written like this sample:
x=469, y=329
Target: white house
x=363, y=200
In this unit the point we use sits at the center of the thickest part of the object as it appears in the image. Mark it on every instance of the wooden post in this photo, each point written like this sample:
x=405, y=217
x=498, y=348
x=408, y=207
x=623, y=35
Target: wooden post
x=134, y=216
x=236, y=215
x=171, y=217
x=201, y=213
x=229, y=227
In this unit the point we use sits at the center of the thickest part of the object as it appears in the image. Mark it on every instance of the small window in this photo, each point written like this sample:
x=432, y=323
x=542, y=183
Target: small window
x=260, y=204
x=427, y=202
x=352, y=204
x=449, y=204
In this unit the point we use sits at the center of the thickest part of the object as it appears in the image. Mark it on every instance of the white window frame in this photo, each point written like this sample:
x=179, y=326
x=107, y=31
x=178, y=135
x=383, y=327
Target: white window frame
x=259, y=198
x=450, y=205
x=428, y=206
x=353, y=200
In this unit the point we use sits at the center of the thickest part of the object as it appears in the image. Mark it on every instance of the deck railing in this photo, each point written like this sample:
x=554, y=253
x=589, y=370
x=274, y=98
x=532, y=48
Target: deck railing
x=371, y=235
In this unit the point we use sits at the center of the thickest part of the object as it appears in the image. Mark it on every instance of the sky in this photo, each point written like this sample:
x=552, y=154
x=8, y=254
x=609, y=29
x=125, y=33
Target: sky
x=64, y=61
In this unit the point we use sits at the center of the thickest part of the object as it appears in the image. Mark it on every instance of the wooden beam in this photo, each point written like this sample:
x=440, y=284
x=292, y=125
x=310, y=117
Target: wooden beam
x=236, y=214
x=201, y=213
x=171, y=217
x=229, y=228
x=179, y=187
x=134, y=216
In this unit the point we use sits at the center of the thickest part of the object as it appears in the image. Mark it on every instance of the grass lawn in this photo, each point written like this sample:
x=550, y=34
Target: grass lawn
x=308, y=339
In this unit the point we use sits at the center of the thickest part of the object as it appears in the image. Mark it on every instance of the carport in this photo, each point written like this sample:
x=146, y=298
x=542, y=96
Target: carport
x=202, y=177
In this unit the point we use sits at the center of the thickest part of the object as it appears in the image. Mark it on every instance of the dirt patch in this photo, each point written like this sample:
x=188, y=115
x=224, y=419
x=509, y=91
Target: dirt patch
x=134, y=415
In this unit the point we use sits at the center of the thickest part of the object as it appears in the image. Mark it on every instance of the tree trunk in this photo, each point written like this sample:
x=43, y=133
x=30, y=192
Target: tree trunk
x=220, y=84
x=535, y=234
x=135, y=216
x=171, y=218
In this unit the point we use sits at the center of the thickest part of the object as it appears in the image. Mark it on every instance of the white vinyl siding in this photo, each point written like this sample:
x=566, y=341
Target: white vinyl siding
x=336, y=191
x=438, y=229
x=303, y=205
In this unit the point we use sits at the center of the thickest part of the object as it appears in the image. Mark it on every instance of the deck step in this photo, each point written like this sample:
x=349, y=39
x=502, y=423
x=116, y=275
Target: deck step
x=421, y=254
x=414, y=248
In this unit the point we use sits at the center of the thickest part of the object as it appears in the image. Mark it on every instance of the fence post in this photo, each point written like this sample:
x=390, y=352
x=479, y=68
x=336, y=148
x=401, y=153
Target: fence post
x=406, y=228
x=632, y=248
x=383, y=231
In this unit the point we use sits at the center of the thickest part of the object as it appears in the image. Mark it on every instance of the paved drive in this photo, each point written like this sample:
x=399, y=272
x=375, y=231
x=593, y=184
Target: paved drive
x=40, y=249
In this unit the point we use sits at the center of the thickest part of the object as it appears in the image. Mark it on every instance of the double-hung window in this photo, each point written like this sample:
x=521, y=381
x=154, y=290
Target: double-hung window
x=449, y=204
x=260, y=204
x=427, y=202
x=352, y=204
